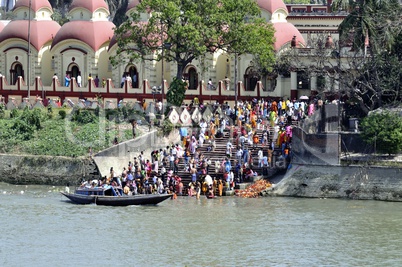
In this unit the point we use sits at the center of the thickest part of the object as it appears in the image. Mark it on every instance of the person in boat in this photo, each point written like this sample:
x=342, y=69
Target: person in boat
x=126, y=189
x=133, y=187
x=86, y=184
x=161, y=188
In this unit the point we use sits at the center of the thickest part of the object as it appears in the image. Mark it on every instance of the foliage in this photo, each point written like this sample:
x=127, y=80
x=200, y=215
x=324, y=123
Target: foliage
x=59, y=17
x=176, y=93
x=364, y=64
x=383, y=130
x=62, y=114
x=2, y=111
x=194, y=28
x=57, y=137
x=25, y=125
x=14, y=113
x=167, y=127
x=83, y=116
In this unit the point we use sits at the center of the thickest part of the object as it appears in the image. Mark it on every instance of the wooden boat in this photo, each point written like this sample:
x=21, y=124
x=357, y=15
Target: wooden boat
x=110, y=196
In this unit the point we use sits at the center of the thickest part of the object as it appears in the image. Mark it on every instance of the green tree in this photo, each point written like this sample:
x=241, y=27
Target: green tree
x=194, y=28
x=372, y=21
x=176, y=93
x=384, y=131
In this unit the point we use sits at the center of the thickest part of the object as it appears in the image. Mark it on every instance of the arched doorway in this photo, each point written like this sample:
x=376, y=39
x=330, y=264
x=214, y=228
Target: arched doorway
x=251, y=78
x=132, y=71
x=16, y=70
x=74, y=71
x=191, y=76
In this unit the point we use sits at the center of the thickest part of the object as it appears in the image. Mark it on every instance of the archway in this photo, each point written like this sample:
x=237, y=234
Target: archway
x=191, y=76
x=251, y=78
x=16, y=70
x=132, y=71
x=74, y=71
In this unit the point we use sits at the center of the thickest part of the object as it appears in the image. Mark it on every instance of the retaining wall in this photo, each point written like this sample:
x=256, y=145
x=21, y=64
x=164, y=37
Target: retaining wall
x=28, y=169
x=352, y=182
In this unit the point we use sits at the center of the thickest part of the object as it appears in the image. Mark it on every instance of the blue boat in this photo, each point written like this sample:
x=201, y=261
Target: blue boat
x=112, y=196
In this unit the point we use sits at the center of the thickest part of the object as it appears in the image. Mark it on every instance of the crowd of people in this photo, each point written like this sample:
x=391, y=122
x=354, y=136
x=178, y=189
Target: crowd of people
x=259, y=130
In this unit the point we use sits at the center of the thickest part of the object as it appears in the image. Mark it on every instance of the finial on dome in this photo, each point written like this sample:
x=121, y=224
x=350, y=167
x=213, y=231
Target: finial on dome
x=293, y=43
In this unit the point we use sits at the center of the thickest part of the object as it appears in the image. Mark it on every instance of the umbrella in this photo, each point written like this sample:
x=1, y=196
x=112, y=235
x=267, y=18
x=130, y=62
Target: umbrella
x=303, y=97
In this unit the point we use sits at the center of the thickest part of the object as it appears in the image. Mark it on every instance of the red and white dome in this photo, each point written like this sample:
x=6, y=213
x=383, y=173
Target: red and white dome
x=94, y=34
x=41, y=31
x=284, y=32
x=271, y=5
x=91, y=5
x=35, y=4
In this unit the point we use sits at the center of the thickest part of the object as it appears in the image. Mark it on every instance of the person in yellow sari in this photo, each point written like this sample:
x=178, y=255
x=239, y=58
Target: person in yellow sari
x=212, y=130
x=272, y=118
x=253, y=119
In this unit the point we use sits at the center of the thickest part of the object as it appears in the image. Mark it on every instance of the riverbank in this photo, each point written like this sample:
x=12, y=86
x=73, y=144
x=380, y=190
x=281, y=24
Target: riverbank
x=346, y=182
x=44, y=170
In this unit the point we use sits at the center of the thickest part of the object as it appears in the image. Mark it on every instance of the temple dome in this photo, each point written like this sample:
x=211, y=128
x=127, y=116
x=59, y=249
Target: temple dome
x=35, y=5
x=41, y=31
x=93, y=33
x=272, y=5
x=284, y=32
x=90, y=5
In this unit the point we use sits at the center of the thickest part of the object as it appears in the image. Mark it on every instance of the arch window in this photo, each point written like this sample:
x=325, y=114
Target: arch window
x=133, y=73
x=251, y=78
x=191, y=76
x=303, y=80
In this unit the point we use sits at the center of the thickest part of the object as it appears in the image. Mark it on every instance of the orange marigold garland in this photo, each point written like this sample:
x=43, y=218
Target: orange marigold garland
x=254, y=190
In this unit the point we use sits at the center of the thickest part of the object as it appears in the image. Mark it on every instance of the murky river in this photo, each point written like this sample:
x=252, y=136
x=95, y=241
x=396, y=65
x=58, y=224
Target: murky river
x=40, y=228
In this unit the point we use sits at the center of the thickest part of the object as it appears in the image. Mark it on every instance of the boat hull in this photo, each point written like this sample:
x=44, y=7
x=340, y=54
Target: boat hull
x=131, y=200
x=151, y=199
x=79, y=199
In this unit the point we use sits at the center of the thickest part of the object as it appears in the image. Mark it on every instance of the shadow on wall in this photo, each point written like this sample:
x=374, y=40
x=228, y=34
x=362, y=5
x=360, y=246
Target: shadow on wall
x=315, y=149
x=119, y=155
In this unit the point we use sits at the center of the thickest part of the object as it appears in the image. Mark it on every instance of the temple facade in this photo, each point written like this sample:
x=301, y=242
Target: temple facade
x=84, y=45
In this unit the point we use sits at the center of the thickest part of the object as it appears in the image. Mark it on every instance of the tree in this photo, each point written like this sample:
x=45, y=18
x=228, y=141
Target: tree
x=383, y=130
x=176, y=93
x=364, y=63
x=193, y=29
x=369, y=23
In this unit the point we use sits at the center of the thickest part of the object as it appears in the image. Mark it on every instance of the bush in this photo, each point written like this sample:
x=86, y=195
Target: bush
x=384, y=131
x=83, y=116
x=2, y=111
x=22, y=130
x=14, y=113
x=167, y=127
x=62, y=114
x=176, y=93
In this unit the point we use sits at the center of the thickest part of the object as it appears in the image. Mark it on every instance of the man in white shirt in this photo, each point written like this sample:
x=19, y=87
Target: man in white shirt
x=79, y=80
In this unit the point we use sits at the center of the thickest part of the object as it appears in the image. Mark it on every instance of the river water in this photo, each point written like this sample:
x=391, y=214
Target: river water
x=40, y=228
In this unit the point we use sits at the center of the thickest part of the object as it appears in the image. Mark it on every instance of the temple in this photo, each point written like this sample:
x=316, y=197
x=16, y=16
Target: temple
x=84, y=45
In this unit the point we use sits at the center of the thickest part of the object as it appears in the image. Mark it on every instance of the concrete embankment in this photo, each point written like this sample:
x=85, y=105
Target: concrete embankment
x=29, y=169
x=118, y=156
x=349, y=182
x=49, y=170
